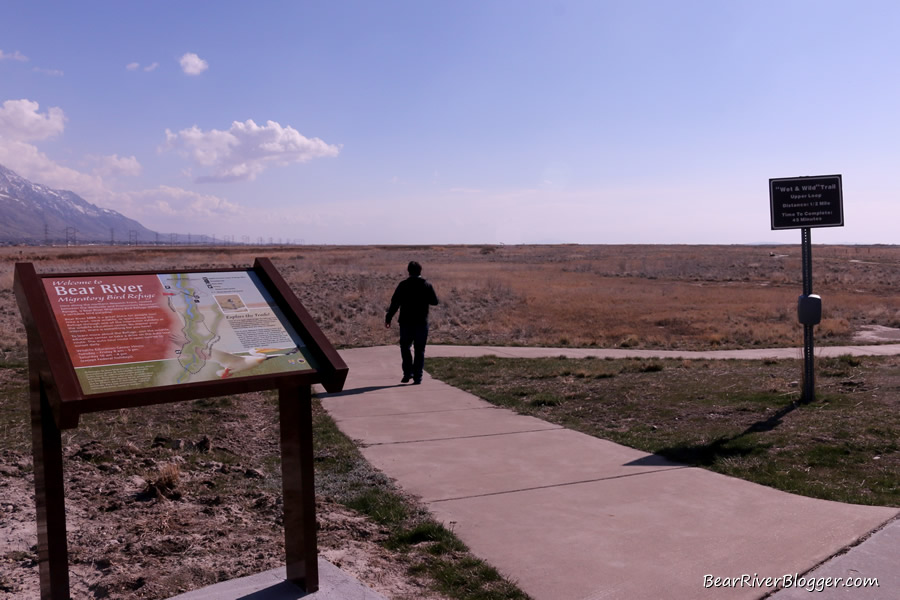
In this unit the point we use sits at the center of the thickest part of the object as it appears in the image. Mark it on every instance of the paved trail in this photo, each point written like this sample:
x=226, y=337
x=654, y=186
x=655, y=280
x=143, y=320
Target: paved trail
x=572, y=517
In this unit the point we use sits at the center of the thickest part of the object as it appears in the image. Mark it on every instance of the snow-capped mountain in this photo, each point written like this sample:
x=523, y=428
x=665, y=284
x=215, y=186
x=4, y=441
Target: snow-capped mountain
x=34, y=213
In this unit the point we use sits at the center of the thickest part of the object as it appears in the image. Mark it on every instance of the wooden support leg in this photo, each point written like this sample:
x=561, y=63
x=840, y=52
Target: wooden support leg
x=295, y=408
x=53, y=551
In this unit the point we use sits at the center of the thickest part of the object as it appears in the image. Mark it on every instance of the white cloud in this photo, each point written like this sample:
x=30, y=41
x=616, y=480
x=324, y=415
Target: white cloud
x=18, y=56
x=192, y=64
x=20, y=120
x=116, y=165
x=51, y=72
x=171, y=209
x=134, y=66
x=246, y=149
x=193, y=205
x=29, y=162
x=164, y=208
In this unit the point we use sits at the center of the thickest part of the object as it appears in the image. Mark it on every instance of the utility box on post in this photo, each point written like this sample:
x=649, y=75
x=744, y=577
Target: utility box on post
x=809, y=309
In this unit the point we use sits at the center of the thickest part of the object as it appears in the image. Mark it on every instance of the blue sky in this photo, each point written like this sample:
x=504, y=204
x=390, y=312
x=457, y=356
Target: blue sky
x=483, y=121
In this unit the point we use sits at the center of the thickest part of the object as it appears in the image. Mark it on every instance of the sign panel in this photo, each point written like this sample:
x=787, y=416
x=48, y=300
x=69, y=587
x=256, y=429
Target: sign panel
x=799, y=202
x=126, y=332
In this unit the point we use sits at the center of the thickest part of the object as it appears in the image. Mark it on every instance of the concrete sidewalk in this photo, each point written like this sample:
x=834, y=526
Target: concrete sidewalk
x=569, y=516
x=334, y=584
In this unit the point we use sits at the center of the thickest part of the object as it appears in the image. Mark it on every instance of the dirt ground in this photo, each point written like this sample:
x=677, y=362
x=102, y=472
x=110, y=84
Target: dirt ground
x=165, y=500
x=176, y=497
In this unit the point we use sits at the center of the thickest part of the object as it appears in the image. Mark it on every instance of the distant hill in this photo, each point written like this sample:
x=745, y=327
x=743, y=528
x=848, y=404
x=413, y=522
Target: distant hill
x=34, y=214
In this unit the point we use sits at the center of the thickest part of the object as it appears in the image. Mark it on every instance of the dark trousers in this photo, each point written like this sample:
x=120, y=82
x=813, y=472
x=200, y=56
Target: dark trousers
x=415, y=336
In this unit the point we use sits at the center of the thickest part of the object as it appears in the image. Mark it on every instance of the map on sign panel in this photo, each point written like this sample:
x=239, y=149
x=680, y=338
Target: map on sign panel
x=137, y=331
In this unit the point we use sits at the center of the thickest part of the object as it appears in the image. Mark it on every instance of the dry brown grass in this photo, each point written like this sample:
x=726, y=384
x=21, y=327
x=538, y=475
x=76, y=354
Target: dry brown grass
x=164, y=481
x=689, y=297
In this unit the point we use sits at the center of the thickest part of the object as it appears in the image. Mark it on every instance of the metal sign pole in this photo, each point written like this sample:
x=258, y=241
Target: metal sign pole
x=809, y=372
x=803, y=203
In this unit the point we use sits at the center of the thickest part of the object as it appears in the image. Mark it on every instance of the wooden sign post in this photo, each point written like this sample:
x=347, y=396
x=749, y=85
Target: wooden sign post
x=106, y=341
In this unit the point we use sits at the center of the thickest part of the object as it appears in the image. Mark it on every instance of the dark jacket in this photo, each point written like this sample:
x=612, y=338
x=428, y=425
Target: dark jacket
x=413, y=296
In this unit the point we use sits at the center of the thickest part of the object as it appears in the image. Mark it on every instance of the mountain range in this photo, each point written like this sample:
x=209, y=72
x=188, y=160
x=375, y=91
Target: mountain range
x=32, y=213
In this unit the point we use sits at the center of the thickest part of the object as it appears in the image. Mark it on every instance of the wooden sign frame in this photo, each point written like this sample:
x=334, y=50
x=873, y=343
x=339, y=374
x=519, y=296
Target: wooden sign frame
x=58, y=399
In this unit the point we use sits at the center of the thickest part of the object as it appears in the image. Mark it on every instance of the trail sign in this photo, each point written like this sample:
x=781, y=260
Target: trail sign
x=803, y=203
x=798, y=202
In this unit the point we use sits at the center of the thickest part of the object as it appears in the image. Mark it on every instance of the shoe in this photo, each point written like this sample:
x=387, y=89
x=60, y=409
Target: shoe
x=417, y=381
x=405, y=379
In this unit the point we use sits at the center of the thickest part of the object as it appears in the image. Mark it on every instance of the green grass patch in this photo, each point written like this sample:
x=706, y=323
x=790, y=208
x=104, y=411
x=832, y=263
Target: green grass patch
x=470, y=578
x=545, y=399
x=740, y=418
x=440, y=540
x=383, y=507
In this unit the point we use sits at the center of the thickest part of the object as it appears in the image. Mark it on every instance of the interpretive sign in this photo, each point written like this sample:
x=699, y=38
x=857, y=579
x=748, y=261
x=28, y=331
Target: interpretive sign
x=799, y=202
x=108, y=341
x=135, y=331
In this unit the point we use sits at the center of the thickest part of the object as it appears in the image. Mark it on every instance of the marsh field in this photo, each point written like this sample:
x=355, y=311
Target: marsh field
x=175, y=497
x=672, y=297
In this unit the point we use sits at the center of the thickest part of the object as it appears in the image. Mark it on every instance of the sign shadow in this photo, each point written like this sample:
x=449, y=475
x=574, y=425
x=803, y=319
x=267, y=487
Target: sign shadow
x=361, y=390
x=280, y=591
x=702, y=455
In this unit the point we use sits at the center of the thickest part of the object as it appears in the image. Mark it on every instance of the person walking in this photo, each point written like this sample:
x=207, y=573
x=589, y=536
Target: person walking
x=412, y=297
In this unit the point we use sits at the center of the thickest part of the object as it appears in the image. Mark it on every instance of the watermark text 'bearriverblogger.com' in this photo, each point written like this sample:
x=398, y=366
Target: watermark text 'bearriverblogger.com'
x=810, y=584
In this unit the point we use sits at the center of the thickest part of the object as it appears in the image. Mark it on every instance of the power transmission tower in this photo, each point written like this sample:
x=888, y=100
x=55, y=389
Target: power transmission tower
x=132, y=237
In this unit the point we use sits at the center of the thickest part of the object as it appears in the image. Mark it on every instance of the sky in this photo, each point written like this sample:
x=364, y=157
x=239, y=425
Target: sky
x=457, y=122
